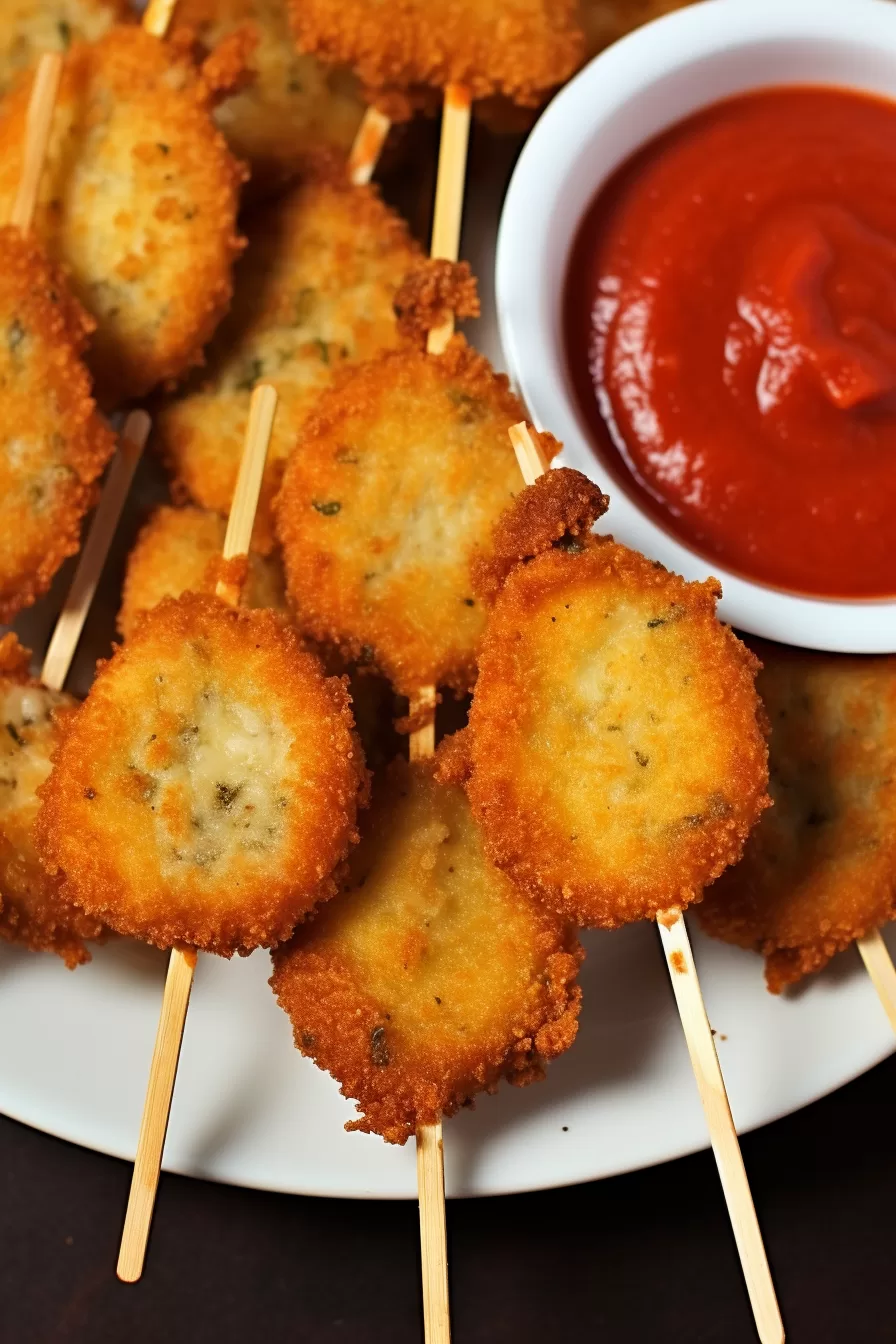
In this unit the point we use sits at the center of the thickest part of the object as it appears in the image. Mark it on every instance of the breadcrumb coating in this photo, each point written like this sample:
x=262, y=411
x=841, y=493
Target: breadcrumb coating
x=433, y=291
x=519, y=48
x=561, y=503
x=54, y=444
x=177, y=551
x=820, y=868
x=138, y=199
x=292, y=104
x=399, y=475
x=430, y=977
x=206, y=791
x=28, y=28
x=618, y=759
x=32, y=910
x=313, y=293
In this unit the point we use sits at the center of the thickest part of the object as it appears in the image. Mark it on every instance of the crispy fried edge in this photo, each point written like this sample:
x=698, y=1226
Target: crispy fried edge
x=431, y=293
x=355, y=391
x=510, y=838
x=560, y=503
x=324, y=983
x=402, y=59
x=55, y=837
x=63, y=325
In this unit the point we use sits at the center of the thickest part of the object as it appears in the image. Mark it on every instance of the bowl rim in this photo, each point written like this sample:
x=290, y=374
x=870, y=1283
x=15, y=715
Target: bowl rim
x=528, y=315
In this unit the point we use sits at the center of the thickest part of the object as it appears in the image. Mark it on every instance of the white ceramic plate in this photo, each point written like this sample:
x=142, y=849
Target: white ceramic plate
x=75, y=1047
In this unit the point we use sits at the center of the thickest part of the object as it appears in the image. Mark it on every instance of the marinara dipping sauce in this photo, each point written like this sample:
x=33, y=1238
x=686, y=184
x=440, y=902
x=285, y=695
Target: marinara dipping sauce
x=730, y=316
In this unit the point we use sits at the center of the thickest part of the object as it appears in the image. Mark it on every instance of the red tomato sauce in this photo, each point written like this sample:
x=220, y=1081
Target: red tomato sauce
x=730, y=320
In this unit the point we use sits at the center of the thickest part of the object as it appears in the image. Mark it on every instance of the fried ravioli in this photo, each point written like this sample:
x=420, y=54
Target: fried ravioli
x=28, y=28
x=820, y=868
x=521, y=49
x=292, y=105
x=54, y=443
x=138, y=199
x=178, y=551
x=430, y=977
x=396, y=481
x=206, y=790
x=314, y=292
x=617, y=754
x=32, y=910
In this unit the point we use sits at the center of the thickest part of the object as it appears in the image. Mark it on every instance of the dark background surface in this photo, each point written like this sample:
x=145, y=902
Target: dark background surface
x=642, y=1257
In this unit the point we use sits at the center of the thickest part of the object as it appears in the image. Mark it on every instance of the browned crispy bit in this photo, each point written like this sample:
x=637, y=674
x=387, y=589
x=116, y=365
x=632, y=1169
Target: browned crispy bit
x=432, y=292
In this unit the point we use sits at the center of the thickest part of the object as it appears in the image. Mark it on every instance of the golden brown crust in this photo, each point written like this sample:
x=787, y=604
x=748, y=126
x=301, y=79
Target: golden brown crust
x=401, y=471
x=33, y=913
x=291, y=105
x=54, y=443
x=138, y=198
x=178, y=551
x=561, y=503
x=820, y=869
x=618, y=755
x=313, y=293
x=205, y=793
x=432, y=292
x=31, y=27
x=430, y=978
x=522, y=50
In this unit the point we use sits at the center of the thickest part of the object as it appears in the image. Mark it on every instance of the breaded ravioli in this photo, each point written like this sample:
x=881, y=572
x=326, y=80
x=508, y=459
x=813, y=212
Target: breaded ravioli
x=138, y=199
x=28, y=28
x=178, y=551
x=617, y=754
x=519, y=48
x=430, y=977
x=292, y=104
x=32, y=909
x=54, y=444
x=206, y=790
x=397, y=479
x=820, y=868
x=314, y=292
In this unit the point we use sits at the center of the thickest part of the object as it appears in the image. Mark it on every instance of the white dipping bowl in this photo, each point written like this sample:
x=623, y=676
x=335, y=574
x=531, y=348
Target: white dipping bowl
x=630, y=93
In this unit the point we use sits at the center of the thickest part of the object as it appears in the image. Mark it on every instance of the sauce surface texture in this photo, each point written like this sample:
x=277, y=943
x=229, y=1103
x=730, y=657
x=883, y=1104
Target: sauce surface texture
x=730, y=316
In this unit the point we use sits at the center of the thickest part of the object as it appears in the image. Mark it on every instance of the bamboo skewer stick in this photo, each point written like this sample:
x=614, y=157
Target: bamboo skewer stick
x=67, y=632
x=182, y=962
x=702, y=1051
x=37, y=138
x=879, y=966
x=367, y=147
x=447, y=217
x=157, y=17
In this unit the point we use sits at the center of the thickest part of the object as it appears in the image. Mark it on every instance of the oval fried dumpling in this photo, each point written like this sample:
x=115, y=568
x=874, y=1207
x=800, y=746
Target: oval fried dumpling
x=519, y=48
x=292, y=105
x=313, y=292
x=618, y=759
x=820, y=868
x=430, y=977
x=28, y=28
x=398, y=477
x=207, y=788
x=54, y=444
x=178, y=551
x=138, y=199
x=32, y=909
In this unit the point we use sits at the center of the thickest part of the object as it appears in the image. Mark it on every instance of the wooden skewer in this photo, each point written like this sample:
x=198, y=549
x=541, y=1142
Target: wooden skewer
x=702, y=1050
x=879, y=966
x=367, y=147
x=157, y=16
x=37, y=138
x=448, y=213
x=182, y=962
x=64, y=641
